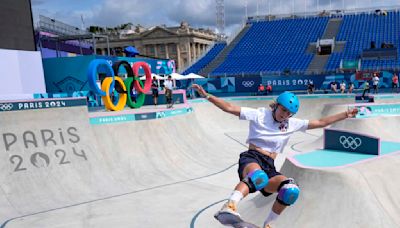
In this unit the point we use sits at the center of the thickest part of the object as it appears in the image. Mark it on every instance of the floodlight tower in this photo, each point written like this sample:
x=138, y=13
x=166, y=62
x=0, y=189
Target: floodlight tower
x=220, y=13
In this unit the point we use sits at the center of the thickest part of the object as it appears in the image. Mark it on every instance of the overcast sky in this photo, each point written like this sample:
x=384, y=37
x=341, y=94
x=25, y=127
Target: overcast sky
x=198, y=13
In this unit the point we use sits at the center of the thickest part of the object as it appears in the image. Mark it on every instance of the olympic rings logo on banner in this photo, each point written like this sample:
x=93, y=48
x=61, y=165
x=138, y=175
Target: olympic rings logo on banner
x=247, y=83
x=113, y=82
x=6, y=106
x=350, y=142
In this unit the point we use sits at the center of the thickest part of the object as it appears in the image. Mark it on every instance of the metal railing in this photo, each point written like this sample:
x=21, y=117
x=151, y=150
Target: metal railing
x=57, y=27
x=323, y=13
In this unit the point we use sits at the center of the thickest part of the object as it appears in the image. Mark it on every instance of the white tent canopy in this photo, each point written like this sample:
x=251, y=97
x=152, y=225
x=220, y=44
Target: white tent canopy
x=176, y=76
x=158, y=77
x=193, y=76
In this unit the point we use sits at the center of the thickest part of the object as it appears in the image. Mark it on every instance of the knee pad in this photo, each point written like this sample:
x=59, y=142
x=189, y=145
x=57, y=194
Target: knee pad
x=288, y=192
x=256, y=180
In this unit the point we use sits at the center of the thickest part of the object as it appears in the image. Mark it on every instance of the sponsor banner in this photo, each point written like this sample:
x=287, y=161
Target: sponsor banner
x=350, y=142
x=139, y=116
x=69, y=74
x=112, y=119
x=42, y=104
x=365, y=75
x=175, y=112
x=145, y=116
x=350, y=64
x=365, y=111
x=247, y=84
x=292, y=82
x=214, y=85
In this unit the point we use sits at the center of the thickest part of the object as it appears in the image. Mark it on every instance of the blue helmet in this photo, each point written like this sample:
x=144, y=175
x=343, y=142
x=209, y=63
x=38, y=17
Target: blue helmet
x=289, y=101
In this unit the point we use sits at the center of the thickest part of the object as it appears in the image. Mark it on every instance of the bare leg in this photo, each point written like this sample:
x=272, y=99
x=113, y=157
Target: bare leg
x=272, y=187
x=240, y=192
x=242, y=187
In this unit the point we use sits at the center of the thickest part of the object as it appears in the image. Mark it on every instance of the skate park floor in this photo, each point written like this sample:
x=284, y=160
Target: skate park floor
x=177, y=170
x=333, y=158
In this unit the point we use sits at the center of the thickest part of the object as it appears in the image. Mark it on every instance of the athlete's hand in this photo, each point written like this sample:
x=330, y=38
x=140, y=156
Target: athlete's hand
x=200, y=90
x=352, y=112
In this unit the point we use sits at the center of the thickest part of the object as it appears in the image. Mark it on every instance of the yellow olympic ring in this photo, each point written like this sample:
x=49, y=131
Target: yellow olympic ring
x=105, y=86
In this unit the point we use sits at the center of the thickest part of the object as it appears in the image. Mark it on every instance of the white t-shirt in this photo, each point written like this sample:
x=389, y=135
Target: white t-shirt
x=168, y=84
x=268, y=134
x=375, y=80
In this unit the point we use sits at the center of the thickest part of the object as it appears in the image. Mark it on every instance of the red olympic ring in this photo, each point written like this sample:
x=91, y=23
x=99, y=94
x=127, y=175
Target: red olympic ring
x=147, y=72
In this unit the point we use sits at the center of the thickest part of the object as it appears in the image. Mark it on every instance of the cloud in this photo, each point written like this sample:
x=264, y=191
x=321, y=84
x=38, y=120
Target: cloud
x=171, y=12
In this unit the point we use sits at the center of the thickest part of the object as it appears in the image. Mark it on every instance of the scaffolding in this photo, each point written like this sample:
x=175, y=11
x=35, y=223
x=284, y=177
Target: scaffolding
x=57, y=31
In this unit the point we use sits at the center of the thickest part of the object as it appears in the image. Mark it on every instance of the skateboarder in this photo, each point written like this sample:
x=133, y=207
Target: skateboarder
x=168, y=85
x=269, y=131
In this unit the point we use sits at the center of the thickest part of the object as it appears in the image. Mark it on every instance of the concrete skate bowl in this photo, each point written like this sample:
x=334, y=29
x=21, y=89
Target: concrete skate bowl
x=336, y=196
x=169, y=172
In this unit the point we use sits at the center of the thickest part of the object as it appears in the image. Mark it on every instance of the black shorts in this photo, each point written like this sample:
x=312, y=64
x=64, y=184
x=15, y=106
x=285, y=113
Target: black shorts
x=394, y=85
x=266, y=163
x=154, y=92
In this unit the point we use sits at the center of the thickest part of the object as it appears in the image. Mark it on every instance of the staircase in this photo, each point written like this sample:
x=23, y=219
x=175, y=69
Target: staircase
x=332, y=28
x=315, y=66
x=222, y=55
x=318, y=63
x=311, y=49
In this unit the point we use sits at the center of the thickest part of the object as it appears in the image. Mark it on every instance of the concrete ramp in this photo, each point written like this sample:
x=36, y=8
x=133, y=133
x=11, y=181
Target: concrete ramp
x=59, y=171
x=50, y=159
x=174, y=171
x=364, y=195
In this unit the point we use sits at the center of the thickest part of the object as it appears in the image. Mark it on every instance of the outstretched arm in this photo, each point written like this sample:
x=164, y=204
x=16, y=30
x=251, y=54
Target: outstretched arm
x=325, y=121
x=223, y=105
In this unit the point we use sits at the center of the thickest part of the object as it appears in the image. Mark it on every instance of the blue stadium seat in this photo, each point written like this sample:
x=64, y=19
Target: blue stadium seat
x=274, y=46
x=359, y=30
x=281, y=44
x=206, y=59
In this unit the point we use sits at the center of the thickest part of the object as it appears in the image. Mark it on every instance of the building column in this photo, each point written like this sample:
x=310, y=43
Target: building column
x=199, y=52
x=193, y=52
x=155, y=50
x=178, y=62
x=189, y=53
x=196, y=54
x=166, y=51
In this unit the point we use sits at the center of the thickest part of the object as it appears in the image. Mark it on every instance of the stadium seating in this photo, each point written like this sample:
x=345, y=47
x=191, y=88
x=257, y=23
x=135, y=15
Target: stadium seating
x=206, y=59
x=281, y=45
x=274, y=46
x=359, y=30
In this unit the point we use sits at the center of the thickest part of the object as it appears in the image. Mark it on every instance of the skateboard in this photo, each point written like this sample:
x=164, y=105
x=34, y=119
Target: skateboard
x=228, y=219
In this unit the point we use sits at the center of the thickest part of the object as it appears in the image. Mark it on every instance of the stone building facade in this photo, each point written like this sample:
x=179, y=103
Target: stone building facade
x=182, y=44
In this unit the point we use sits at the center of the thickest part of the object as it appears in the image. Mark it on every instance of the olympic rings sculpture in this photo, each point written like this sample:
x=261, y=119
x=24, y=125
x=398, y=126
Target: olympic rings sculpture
x=113, y=82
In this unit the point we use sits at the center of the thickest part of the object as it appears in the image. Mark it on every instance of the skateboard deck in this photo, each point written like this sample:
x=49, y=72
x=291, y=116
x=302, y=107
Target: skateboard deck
x=228, y=219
